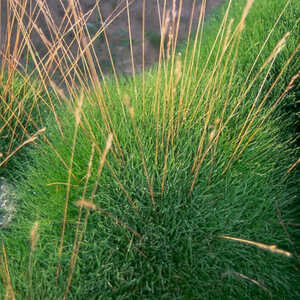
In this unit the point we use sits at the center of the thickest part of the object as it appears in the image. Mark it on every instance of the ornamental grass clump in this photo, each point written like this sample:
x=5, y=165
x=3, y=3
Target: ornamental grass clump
x=176, y=182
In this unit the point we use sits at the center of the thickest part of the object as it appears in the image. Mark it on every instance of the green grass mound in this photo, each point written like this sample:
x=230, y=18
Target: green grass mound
x=148, y=177
x=23, y=111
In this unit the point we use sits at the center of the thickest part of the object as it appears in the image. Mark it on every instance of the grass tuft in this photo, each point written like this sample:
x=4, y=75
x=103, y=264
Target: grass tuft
x=156, y=185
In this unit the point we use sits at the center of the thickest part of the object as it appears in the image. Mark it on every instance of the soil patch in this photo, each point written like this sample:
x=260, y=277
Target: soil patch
x=54, y=11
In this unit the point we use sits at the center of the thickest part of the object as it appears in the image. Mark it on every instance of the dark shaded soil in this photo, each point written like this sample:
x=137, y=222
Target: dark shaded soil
x=117, y=30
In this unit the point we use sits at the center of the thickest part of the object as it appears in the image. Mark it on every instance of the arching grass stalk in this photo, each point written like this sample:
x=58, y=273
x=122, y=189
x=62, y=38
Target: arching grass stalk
x=4, y=271
x=89, y=204
x=77, y=121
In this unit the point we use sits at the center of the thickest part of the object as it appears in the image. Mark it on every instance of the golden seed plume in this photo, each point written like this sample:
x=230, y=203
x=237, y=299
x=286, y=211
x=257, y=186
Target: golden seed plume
x=86, y=204
x=34, y=235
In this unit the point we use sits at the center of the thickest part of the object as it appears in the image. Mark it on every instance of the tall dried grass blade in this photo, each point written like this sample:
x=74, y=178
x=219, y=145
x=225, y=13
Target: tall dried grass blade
x=77, y=122
x=34, y=237
x=131, y=113
x=78, y=236
x=9, y=291
x=30, y=140
x=250, y=279
x=271, y=248
x=90, y=205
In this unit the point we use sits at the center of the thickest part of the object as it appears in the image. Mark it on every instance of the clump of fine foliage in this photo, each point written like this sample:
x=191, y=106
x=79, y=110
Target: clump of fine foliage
x=138, y=181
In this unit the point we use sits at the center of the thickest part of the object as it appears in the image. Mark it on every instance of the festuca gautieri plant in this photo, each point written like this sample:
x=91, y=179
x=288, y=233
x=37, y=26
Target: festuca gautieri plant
x=175, y=182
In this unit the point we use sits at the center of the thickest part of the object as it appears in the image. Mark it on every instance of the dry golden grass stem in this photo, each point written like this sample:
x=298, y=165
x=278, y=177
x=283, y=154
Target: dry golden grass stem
x=89, y=62
x=141, y=151
x=61, y=183
x=192, y=97
x=170, y=27
x=92, y=68
x=77, y=122
x=100, y=100
x=18, y=45
x=211, y=92
x=247, y=125
x=85, y=49
x=171, y=129
x=271, y=248
x=108, y=124
x=244, y=92
x=40, y=68
x=79, y=235
x=109, y=51
x=143, y=58
x=30, y=140
x=244, y=86
x=244, y=15
x=121, y=186
x=293, y=166
x=186, y=68
x=224, y=124
x=199, y=33
x=219, y=120
x=173, y=30
x=171, y=87
x=250, y=279
x=274, y=105
x=8, y=86
x=101, y=164
x=284, y=227
x=131, y=48
x=75, y=25
x=92, y=206
x=227, y=63
x=164, y=20
x=34, y=237
x=44, y=66
x=157, y=95
x=74, y=62
x=176, y=68
x=60, y=92
x=4, y=272
x=13, y=113
x=88, y=70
